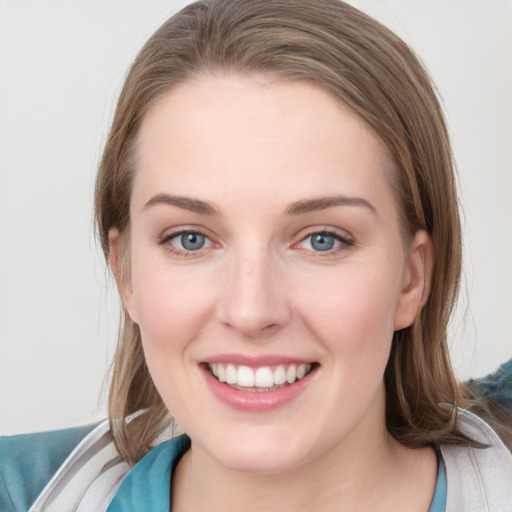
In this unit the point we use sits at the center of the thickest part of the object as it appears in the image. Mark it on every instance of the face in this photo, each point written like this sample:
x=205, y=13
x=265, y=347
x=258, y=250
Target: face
x=268, y=271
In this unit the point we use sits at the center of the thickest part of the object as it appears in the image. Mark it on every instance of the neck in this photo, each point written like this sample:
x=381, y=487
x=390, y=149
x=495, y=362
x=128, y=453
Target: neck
x=370, y=471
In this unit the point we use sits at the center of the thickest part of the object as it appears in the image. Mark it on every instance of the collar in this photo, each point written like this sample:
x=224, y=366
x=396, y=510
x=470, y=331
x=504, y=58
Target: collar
x=147, y=485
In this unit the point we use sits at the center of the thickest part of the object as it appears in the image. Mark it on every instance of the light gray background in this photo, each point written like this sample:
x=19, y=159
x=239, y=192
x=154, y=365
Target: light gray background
x=61, y=68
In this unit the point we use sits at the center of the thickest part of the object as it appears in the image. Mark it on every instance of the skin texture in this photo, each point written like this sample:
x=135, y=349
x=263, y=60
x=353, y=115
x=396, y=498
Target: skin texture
x=250, y=147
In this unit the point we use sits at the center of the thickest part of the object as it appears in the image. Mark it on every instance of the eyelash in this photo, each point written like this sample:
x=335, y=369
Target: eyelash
x=344, y=242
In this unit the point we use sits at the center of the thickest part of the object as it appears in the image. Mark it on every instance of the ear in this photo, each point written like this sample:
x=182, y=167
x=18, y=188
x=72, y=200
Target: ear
x=119, y=261
x=416, y=280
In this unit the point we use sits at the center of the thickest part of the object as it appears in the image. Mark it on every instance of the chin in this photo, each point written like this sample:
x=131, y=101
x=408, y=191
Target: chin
x=258, y=463
x=261, y=454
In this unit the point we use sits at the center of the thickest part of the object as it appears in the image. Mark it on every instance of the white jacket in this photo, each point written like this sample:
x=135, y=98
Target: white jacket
x=479, y=480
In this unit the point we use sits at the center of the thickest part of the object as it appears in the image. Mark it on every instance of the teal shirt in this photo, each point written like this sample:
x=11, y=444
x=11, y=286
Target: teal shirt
x=439, y=500
x=148, y=485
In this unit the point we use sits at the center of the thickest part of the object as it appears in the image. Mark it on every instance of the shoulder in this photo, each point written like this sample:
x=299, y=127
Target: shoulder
x=94, y=464
x=74, y=469
x=479, y=479
x=28, y=461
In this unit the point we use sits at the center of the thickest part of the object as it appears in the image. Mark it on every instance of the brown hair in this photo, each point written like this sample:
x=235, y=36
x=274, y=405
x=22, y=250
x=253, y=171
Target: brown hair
x=366, y=67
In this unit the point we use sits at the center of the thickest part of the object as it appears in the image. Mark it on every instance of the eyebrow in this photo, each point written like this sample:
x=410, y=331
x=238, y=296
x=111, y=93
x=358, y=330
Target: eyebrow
x=296, y=208
x=186, y=203
x=322, y=203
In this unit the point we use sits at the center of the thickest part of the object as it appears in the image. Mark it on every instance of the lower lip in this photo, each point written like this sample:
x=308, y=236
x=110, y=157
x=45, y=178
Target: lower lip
x=256, y=401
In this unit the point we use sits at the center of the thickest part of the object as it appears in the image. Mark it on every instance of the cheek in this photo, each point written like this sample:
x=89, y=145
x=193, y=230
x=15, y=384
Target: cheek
x=349, y=314
x=353, y=313
x=172, y=314
x=171, y=307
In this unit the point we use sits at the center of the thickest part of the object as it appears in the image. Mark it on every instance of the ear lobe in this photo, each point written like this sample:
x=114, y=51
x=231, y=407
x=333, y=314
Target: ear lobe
x=416, y=282
x=119, y=261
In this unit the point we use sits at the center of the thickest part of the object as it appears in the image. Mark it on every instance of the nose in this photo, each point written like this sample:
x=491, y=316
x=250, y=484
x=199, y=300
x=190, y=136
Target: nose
x=254, y=300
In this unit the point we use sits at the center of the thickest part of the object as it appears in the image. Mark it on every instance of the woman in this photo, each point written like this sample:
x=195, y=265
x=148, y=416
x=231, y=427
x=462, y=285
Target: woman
x=277, y=203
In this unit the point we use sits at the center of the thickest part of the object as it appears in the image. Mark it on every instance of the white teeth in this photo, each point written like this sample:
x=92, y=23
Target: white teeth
x=263, y=377
x=245, y=377
x=231, y=374
x=291, y=374
x=279, y=375
x=222, y=373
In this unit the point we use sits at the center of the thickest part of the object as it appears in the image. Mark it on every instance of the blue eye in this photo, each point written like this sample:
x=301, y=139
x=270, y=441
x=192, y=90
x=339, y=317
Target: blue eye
x=325, y=241
x=192, y=241
x=185, y=244
x=322, y=242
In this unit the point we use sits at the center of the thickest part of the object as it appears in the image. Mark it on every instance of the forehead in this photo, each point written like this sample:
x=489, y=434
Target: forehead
x=239, y=134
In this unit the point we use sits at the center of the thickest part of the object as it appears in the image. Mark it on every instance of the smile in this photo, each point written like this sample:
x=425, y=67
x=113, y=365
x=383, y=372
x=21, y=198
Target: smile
x=263, y=378
x=257, y=386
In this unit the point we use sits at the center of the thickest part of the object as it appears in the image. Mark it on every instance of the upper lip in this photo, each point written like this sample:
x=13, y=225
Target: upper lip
x=255, y=361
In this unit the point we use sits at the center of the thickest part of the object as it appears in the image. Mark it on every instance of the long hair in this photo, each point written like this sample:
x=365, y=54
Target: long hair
x=367, y=68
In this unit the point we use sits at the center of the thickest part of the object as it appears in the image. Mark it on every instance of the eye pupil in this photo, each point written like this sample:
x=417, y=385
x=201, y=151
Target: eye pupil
x=192, y=241
x=321, y=242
